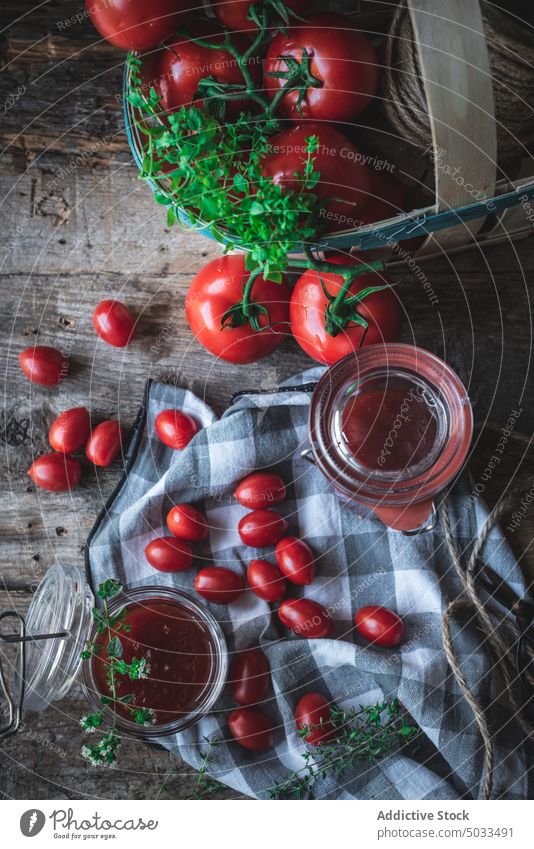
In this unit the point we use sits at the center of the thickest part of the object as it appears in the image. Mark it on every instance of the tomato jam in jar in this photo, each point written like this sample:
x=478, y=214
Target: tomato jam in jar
x=390, y=426
x=184, y=656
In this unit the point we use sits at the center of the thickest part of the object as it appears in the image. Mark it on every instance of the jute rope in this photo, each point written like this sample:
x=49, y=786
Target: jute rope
x=512, y=70
x=500, y=636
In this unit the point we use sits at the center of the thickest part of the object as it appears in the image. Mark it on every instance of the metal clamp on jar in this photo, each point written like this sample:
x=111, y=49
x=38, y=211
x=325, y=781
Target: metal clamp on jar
x=390, y=426
x=59, y=623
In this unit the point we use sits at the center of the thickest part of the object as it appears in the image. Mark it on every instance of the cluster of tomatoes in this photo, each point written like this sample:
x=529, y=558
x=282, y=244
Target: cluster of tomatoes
x=71, y=431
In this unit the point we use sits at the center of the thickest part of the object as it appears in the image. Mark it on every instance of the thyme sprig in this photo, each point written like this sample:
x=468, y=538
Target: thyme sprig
x=204, y=784
x=104, y=752
x=367, y=733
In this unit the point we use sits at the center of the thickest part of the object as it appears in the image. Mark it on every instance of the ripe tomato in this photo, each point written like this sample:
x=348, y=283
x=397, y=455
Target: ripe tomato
x=379, y=625
x=308, y=312
x=252, y=729
x=104, y=443
x=44, y=365
x=136, y=24
x=70, y=430
x=186, y=522
x=296, y=561
x=218, y=584
x=114, y=323
x=340, y=58
x=260, y=488
x=250, y=677
x=175, y=429
x=260, y=528
x=167, y=554
x=234, y=13
x=176, y=70
x=265, y=580
x=305, y=618
x=344, y=185
x=216, y=288
x=55, y=472
x=314, y=710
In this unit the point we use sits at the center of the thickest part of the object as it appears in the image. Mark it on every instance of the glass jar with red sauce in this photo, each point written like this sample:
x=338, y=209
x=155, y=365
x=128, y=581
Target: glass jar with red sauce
x=181, y=642
x=390, y=427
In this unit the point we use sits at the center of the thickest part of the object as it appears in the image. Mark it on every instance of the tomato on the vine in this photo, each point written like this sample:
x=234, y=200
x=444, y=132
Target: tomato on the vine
x=175, y=429
x=344, y=182
x=136, y=24
x=212, y=296
x=178, y=68
x=379, y=625
x=114, y=323
x=309, y=307
x=313, y=713
x=334, y=63
x=234, y=14
x=69, y=431
x=104, y=443
x=44, y=365
x=249, y=677
x=251, y=728
x=55, y=472
x=168, y=554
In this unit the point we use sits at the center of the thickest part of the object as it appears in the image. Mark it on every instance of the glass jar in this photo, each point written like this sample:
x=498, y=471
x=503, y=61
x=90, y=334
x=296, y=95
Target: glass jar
x=390, y=426
x=59, y=623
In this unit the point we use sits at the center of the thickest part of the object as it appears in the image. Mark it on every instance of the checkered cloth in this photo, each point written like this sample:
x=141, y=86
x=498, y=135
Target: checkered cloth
x=359, y=562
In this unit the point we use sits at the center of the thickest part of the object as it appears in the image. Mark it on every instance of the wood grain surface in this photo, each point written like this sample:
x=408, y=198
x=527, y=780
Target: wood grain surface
x=77, y=226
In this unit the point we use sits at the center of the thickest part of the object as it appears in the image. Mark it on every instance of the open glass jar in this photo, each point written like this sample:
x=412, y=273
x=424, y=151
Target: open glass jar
x=182, y=643
x=390, y=426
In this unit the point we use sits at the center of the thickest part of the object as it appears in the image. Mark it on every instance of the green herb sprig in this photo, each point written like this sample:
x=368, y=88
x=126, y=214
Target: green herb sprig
x=104, y=752
x=367, y=733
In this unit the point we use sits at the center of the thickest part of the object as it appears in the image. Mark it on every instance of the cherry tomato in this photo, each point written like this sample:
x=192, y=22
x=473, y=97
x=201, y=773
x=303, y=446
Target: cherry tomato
x=314, y=710
x=308, y=314
x=344, y=184
x=186, y=522
x=104, y=443
x=340, y=58
x=379, y=625
x=70, y=430
x=114, y=323
x=177, y=68
x=175, y=429
x=234, y=13
x=218, y=584
x=167, y=554
x=261, y=528
x=305, y=618
x=296, y=561
x=265, y=580
x=252, y=729
x=250, y=677
x=44, y=365
x=259, y=489
x=216, y=288
x=136, y=24
x=55, y=472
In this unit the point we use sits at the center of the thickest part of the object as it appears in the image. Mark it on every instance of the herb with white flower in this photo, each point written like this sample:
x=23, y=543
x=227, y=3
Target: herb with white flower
x=104, y=752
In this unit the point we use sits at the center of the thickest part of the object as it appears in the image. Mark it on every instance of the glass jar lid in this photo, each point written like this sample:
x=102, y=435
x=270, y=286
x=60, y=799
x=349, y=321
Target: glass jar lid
x=62, y=604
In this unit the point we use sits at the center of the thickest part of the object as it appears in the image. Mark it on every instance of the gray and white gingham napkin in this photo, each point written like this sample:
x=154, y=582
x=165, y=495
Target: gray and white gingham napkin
x=359, y=562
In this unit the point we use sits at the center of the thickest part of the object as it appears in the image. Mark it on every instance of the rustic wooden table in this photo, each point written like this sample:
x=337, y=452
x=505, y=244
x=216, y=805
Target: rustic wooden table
x=77, y=227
